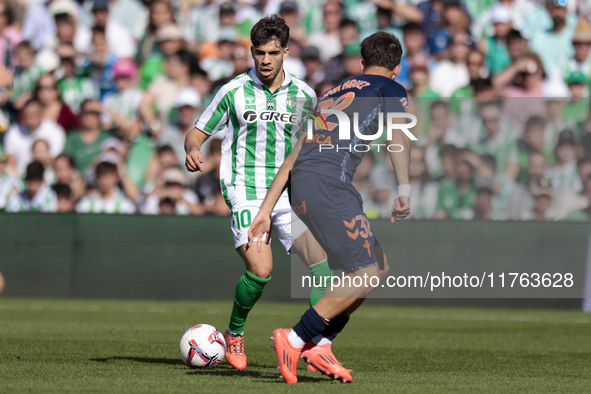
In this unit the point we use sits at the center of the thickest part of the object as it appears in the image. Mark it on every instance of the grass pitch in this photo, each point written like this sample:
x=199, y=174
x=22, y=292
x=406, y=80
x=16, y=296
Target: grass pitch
x=132, y=346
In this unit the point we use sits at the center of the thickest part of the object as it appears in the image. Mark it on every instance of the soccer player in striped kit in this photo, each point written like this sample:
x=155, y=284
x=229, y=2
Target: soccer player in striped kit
x=262, y=111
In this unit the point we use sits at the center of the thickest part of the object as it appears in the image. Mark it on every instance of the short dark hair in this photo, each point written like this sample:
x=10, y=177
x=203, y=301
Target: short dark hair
x=482, y=84
x=268, y=29
x=62, y=190
x=30, y=102
x=438, y=103
x=412, y=26
x=68, y=158
x=105, y=167
x=35, y=171
x=164, y=149
x=185, y=57
x=381, y=49
x=348, y=22
x=514, y=35
x=448, y=150
x=98, y=30
x=25, y=45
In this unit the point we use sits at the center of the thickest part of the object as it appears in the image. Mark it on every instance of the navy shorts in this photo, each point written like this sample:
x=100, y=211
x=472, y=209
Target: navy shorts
x=333, y=211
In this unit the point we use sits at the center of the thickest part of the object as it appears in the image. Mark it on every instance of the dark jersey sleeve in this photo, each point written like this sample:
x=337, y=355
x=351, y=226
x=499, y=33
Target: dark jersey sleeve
x=395, y=97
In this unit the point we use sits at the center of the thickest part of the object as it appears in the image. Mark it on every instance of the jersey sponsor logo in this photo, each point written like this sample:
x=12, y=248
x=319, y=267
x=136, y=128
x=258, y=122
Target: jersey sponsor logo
x=250, y=99
x=251, y=116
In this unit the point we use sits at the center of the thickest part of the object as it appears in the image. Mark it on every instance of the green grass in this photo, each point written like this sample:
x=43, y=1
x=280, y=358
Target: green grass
x=132, y=346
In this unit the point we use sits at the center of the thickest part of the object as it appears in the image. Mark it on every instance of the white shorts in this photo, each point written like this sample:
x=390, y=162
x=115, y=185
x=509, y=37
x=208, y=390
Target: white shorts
x=286, y=225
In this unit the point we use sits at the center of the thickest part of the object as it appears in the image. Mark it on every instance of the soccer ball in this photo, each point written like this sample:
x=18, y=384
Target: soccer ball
x=202, y=346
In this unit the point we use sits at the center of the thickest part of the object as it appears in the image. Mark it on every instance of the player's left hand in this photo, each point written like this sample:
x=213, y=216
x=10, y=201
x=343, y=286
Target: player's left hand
x=400, y=209
x=260, y=225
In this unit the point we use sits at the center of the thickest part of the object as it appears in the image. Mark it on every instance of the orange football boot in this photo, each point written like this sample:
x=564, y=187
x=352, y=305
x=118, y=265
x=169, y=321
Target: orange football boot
x=235, y=350
x=287, y=355
x=321, y=357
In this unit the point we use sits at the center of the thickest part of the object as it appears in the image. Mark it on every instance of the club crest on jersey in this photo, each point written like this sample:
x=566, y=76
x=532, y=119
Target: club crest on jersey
x=404, y=103
x=270, y=105
x=291, y=102
x=251, y=116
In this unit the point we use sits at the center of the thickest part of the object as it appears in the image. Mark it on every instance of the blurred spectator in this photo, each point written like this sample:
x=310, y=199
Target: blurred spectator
x=289, y=11
x=583, y=214
x=517, y=45
x=207, y=186
x=38, y=24
x=432, y=17
x=67, y=28
x=570, y=200
x=219, y=66
x=454, y=20
x=521, y=198
x=25, y=75
x=543, y=194
x=202, y=23
x=497, y=138
x=495, y=46
x=170, y=41
x=8, y=183
x=576, y=111
x=118, y=38
x=563, y=173
x=525, y=77
x=423, y=190
x=162, y=93
x=164, y=157
x=437, y=136
x=334, y=70
x=554, y=45
x=241, y=63
x=110, y=198
x=519, y=11
x=187, y=104
x=65, y=173
x=99, y=64
x=20, y=137
x=65, y=198
x=313, y=66
x=122, y=105
x=54, y=109
x=420, y=80
x=293, y=64
x=485, y=192
x=171, y=195
x=414, y=43
x=457, y=199
x=160, y=14
x=11, y=36
x=74, y=88
x=533, y=141
x=581, y=60
x=40, y=152
x=451, y=74
x=37, y=196
x=329, y=41
x=85, y=145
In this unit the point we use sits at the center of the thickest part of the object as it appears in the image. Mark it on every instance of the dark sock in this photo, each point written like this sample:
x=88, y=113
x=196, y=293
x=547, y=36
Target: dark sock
x=310, y=325
x=336, y=325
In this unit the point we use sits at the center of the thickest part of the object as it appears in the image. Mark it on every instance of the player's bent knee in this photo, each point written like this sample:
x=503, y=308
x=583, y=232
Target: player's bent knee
x=261, y=272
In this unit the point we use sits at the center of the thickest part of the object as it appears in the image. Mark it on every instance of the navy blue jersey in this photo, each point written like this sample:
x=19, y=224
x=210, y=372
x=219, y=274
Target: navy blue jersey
x=370, y=97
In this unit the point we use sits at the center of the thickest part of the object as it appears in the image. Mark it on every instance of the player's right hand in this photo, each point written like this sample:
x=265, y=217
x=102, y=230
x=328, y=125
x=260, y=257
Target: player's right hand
x=194, y=160
x=401, y=209
x=260, y=225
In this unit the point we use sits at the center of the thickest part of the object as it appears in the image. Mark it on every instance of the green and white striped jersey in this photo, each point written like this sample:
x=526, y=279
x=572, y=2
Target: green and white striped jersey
x=261, y=128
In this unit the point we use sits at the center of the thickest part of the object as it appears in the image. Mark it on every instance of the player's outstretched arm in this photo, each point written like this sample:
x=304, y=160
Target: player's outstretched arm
x=193, y=141
x=401, y=162
x=262, y=222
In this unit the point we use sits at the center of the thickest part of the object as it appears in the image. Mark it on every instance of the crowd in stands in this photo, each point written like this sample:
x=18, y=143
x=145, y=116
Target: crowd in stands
x=105, y=91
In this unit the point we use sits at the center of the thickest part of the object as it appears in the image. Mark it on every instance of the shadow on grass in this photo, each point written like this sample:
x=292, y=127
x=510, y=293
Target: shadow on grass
x=272, y=376
x=170, y=361
x=224, y=370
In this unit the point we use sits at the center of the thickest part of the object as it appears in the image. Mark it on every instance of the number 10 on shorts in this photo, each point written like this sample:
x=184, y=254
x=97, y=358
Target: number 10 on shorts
x=242, y=219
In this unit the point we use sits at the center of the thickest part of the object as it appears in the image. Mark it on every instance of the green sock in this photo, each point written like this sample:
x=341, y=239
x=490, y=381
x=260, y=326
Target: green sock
x=319, y=272
x=248, y=291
